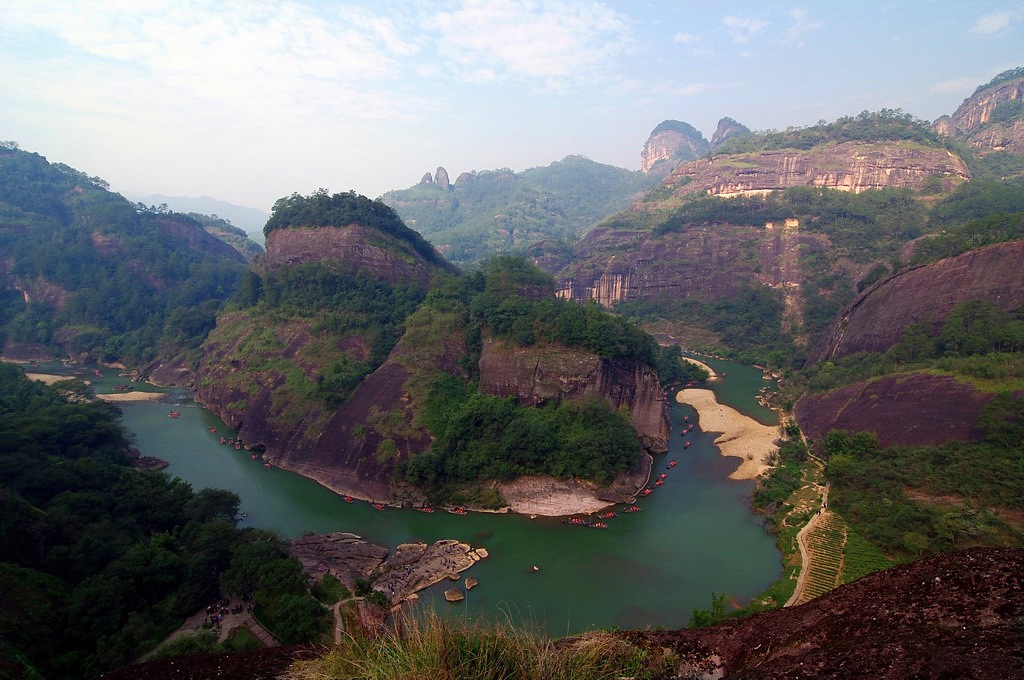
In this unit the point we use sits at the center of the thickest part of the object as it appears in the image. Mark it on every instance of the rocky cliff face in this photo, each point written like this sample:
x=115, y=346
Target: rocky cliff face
x=875, y=320
x=975, y=120
x=535, y=375
x=672, y=142
x=911, y=409
x=356, y=249
x=850, y=166
x=727, y=129
x=707, y=262
x=977, y=109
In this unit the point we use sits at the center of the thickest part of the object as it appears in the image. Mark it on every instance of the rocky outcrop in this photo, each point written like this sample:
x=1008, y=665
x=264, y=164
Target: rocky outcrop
x=875, y=320
x=672, y=142
x=906, y=622
x=353, y=249
x=727, y=129
x=705, y=261
x=911, y=409
x=538, y=374
x=977, y=109
x=397, y=574
x=992, y=119
x=850, y=166
x=441, y=177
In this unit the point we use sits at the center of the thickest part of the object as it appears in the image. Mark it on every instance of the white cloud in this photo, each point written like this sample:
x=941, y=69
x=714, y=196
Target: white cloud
x=554, y=42
x=994, y=22
x=800, y=25
x=685, y=38
x=743, y=29
x=690, y=90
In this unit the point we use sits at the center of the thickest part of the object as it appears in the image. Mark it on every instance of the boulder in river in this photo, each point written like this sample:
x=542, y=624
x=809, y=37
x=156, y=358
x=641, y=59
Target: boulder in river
x=454, y=595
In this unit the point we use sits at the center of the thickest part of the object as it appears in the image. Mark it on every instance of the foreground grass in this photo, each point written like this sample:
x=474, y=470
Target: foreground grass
x=430, y=648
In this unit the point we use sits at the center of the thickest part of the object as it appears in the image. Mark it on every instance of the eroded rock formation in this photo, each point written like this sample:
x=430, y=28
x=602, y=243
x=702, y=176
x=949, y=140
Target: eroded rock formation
x=912, y=409
x=535, y=375
x=672, y=142
x=355, y=248
x=875, y=320
x=850, y=166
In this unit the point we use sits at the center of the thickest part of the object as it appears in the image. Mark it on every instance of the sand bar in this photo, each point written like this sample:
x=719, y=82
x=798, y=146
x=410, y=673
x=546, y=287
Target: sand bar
x=711, y=371
x=550, y=497
x=131, y=396
x=742, y=436
x=48, y=378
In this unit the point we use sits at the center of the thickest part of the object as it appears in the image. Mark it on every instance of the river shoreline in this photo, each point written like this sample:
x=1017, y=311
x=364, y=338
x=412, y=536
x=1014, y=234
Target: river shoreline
x=741, y=436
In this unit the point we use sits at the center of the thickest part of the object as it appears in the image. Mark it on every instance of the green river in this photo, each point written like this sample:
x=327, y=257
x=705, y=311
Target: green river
x=694, y=535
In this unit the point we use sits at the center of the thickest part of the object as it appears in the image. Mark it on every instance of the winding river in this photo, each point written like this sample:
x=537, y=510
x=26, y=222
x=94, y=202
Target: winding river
x=693, y=536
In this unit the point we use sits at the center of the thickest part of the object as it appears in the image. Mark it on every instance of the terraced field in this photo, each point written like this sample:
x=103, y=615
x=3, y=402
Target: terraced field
x=825, y=542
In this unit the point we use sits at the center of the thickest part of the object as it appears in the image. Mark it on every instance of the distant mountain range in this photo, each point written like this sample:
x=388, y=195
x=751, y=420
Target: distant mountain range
x=249, y=219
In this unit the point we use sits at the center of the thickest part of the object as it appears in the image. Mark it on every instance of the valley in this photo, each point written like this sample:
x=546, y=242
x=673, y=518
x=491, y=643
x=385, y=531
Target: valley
x=412, y=368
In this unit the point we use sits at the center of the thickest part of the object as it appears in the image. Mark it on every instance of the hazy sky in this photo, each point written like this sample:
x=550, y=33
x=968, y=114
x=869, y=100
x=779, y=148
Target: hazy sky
x=250, y=101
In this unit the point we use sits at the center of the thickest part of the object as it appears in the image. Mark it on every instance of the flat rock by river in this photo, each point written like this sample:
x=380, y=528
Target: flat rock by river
x=409, y=568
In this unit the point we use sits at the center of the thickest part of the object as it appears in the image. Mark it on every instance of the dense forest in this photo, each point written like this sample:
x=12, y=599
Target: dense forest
x=477, y=437
x=122, y=283
x=100, y=561
x=504, y=212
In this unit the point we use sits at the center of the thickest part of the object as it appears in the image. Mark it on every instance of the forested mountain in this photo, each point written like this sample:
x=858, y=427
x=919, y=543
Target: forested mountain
x=86, y=271
x=360, y=347
x=494, y=212
x=99, y=561
x=250, y=220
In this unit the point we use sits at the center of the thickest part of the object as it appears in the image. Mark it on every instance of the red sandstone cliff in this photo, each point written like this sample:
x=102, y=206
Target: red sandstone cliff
x=356, y=249
x=875, y=320
x=535, y=375
x=849, y=166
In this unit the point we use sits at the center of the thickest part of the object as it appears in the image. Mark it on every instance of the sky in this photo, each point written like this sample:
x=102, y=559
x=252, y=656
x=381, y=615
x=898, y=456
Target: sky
x=253, y=100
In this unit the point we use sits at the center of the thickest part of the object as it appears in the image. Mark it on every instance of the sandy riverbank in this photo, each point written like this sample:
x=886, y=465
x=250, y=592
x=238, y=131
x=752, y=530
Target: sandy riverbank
x=711, y=371
x=46, y=377
x=550, y=497
x=742, y=436
x=131, y=396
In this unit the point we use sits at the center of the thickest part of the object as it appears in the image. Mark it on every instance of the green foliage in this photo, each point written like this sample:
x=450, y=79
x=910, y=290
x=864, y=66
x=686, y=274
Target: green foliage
x=886, y=125
x=705, y=618
x=781, y=480
x=328, y=589
x=516, y=302
x=504, y=212
x=897, y=498
x=132, y=281
x=321, y=209
x=749, y=325
x=261, y=568
x=977, y=340
x=478, y=437
x=102, y=561
x=341, y=304
x=1004, y=77
x=978, y=199
x=431, y=648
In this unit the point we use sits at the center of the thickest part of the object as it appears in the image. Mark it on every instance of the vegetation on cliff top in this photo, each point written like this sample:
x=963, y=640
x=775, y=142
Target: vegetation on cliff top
x=886, y=125
x=321, y=209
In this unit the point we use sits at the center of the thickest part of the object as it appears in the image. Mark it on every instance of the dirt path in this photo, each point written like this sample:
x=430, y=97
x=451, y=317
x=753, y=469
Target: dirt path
x=805, y=556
